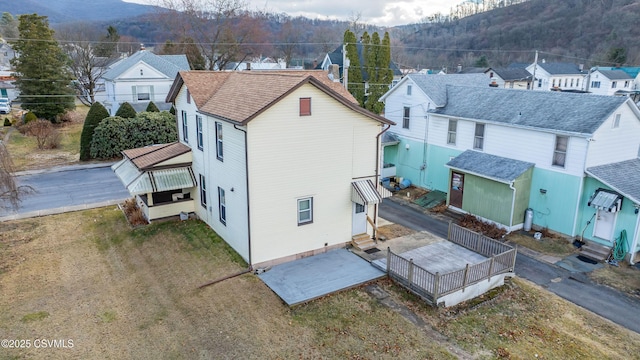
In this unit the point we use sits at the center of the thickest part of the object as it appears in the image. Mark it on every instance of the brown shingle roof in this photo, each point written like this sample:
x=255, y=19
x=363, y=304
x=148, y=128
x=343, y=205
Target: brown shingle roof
x=145, y=157
x=240, y=96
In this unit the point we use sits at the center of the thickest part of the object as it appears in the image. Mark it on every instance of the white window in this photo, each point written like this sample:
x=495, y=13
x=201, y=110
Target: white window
x=560, y=150
x=565, y=82
x=571, y=82
x=539, y=83
x=577, y=82
x=199, y=137
x=614, y=84
x=616, y=121
x=406, y=117
x=203, y=191
x=409, y=90
x=553, y=83
x=595, y=84
x=222, y=206
x=219, y=148
x=142, y=92
x=478, y=140
x=626, y=84
x=185, y=127
x=451, y=134
x=305, y=211
x=359, y=208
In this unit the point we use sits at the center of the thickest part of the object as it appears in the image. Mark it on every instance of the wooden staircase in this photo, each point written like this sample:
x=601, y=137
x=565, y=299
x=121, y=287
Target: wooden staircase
x=363, y=242
x=595, y=252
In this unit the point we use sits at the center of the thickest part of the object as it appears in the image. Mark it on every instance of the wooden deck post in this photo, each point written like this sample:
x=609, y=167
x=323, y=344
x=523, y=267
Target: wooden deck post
x=490, y=269
x=410, y=272
x=388, y=260
x=449, y=231
x=466, y=277
x=515, y=253
x=436, y=285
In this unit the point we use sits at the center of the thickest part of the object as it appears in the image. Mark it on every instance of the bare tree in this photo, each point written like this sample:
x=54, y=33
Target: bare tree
x=10, y=193
x=79, y=43
x=222, y=29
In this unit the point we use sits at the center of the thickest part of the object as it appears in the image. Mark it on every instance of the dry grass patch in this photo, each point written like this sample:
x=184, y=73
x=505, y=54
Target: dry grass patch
x=523, y=321
x=123, y=293
x=554, y=246
x=411, y=193
x=393, y=231
x=623, y=277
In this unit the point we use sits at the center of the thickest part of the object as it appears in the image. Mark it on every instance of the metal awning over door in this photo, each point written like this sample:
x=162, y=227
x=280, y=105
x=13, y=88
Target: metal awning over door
x=364, y=192
x=606, y=200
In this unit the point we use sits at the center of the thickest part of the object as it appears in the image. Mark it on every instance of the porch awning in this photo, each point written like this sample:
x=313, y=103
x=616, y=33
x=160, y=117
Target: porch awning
x=151, y=181
x=364, y=192
x=606, y=200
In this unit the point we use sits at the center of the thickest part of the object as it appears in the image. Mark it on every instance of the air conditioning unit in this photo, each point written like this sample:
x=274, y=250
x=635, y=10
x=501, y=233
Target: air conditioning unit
x=178, y=196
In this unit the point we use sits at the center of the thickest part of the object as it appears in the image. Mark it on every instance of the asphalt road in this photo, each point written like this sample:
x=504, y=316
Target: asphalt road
x=67, y=189
x=576, y=287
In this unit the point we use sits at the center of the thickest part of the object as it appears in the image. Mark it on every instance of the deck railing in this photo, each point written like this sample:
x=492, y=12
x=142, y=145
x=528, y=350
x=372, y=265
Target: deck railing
x=431, y=287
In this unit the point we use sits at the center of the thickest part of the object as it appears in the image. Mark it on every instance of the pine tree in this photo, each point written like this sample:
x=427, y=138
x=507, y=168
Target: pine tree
x=108, y=46
x=152, y=107
x=42, y=75
x=126, y=111
x=354, y=77
x=96, y=114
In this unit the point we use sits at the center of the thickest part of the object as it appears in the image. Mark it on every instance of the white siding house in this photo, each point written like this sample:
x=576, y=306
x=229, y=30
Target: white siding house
x=579, y=145
x=141, y=78
x=610, y=82
x=279, y=157
x=557, y=76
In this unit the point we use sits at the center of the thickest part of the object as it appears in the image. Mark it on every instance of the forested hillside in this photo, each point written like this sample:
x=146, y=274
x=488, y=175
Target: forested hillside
x=582, y=31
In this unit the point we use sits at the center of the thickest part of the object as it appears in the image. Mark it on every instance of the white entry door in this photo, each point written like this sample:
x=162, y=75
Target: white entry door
x=605, y=222
x=359, y=225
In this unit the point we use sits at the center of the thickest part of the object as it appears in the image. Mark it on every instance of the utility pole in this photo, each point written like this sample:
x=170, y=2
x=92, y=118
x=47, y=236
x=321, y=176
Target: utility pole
x=535, y=65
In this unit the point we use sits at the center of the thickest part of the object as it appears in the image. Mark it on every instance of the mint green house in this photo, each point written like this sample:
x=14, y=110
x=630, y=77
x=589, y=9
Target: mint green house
x=571, y=158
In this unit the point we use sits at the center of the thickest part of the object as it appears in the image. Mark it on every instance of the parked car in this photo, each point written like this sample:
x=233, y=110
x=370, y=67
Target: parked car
x=5, y=106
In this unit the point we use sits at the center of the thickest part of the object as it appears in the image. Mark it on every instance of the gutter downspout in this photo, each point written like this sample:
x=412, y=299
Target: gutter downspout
x=513, y=204
x=634, y=243
x=580, y=189
x=375, y=206
x=246, y=171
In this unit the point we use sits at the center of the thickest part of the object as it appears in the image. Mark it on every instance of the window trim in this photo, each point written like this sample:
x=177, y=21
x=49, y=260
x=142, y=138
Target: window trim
x=219, y=142
x=616, y=121
x=406, y=117
x=452, y=134
x=409, y=89
x=199, y=135
x=557, y=152
x=305, y=106
x=185, y=127
x=203, y=191
x=222, y=206
x=479, y=138
x=309, y=210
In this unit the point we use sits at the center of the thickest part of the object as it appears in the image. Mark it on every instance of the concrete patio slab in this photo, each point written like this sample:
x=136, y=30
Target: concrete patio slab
x=315, y=276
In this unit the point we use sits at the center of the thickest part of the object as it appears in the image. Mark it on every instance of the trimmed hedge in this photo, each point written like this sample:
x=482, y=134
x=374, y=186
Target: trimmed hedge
x=96, y=114
x=115, y=133
x=30, y=116
x=126, y=111
x=152, y=107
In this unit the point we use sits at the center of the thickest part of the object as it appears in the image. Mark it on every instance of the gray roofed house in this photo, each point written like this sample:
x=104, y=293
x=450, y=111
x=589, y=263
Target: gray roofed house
x=495, y=167
x=142, y=78
x=616, y=74
x=578, y=114
x=612, y=82
x=512, y=78
x=435, y=85
x=169, y=65
x=557, y=76
x=620, y=176
x=561, y=68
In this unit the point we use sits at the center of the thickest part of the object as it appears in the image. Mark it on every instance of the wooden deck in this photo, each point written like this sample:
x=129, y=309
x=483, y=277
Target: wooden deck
x=306, y=279
x=442, y=257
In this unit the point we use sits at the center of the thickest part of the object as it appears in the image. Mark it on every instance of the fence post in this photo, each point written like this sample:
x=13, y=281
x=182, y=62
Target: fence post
x=410, y=272
x=515, y=253
x=436, y=286
x=490, y=268
x=449, y=231
x=388, y=260
x=466, y=277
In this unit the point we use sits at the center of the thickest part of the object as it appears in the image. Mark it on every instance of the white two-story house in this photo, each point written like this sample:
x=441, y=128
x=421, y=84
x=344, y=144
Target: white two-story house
x=141, y=78
x=557, y=76
x=286, y=162
x=570, y=158
x=610, y=82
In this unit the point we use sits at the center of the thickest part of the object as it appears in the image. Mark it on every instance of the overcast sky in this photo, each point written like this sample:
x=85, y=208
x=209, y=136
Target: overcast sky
x=376, y=12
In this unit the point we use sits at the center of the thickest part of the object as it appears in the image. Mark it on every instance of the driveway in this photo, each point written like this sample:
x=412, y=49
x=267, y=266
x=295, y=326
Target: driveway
x=68, y=188
x=574, y=286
